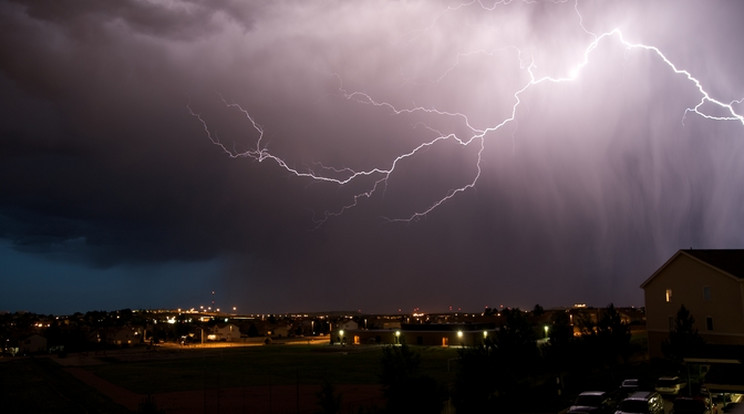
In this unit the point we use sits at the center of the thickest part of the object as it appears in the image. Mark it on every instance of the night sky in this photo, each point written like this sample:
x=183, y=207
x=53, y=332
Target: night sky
x=404, y=153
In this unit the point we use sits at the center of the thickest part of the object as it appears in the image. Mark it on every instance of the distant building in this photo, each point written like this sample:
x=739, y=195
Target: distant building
x=710, y=284
x=391, y=325
x=224, y=332
x=281, y=330
x=348, y=325
x=581, y=317
x=33, y=344
x=125, y=336
x=428, y=334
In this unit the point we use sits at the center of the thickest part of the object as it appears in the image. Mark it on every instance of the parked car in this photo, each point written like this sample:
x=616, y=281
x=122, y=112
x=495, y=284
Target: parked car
x=591, y=402
x=726, y=402
x=692, y=405
x=629, y=386
x=641, y=402
x=670, y=386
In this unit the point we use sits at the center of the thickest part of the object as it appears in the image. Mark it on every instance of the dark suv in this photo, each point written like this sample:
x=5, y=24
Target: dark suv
x=692, y=405
x=591, y=402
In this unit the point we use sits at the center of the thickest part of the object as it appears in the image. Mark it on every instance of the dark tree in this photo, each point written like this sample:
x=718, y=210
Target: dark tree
x=497, y=378
x=604, y=343
x=516, y=338
x=561, y=332
x=684, y=339
x=559, y=351
x=614, y=334
x=328, y=399
x=516, y=358
x=475, y=387
x=405, y=388
x=538, y=310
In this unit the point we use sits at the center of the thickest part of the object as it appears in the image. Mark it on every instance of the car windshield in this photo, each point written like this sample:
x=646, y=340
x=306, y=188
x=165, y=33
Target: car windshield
x=634, y=406
x=588, y=400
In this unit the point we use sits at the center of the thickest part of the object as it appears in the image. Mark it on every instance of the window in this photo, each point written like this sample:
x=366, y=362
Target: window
x=668, y=295
x=709, y=323
x=706, y=293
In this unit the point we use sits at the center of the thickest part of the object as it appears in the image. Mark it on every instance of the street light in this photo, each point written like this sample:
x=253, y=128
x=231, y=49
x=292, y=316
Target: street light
x=459, y=336
x=546, y=330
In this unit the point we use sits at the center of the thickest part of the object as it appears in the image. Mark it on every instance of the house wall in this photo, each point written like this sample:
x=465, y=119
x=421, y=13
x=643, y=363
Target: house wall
x=227, y=332
x=34, y=344
x=687, y=279
x=348, y=325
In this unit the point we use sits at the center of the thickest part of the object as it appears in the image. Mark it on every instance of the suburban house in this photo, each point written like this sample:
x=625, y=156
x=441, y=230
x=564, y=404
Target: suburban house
x=33, y=344
x=224, y=332
x=126, y=335
x=710, y=284
x=281, y=330
x=348, y=325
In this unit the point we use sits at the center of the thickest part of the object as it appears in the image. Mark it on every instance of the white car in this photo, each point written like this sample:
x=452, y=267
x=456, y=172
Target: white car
x=630, y=385
x=669, y=385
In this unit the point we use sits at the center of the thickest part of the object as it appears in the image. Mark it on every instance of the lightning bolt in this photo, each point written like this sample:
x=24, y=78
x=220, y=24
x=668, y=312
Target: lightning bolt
x=476, y=137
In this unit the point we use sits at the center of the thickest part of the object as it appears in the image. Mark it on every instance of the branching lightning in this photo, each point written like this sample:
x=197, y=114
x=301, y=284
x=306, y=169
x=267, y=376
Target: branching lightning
x=476, y=137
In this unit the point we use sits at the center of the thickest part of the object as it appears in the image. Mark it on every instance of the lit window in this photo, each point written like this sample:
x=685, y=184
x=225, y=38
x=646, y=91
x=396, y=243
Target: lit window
x=706, y=293
x=709, y=323
x=668, y=295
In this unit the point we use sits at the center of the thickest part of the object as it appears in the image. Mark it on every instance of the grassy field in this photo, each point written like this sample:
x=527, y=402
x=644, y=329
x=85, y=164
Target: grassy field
x=262, y=366
x=39, y=385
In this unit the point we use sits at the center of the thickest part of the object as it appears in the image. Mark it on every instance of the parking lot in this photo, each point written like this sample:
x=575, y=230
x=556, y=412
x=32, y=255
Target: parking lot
x=610, y=402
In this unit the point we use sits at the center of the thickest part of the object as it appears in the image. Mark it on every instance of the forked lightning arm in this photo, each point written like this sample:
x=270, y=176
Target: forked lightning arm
x=477, y=137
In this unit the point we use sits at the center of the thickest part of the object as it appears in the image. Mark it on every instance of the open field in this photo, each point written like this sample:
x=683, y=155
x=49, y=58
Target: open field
x=39, y=385
x=233, y=367
x=259, y=379
x=277, y=378
x=191, y=369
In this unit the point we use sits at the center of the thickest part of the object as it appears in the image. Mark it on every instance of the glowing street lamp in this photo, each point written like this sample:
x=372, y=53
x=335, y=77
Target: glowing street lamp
x=459, y=336
x=546, y=328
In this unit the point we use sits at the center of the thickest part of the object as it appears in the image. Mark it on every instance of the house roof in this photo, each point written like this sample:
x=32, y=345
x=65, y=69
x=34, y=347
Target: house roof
x=730, y=261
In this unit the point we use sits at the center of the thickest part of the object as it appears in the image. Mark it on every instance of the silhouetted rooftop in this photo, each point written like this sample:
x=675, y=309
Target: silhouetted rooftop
x=729, y=260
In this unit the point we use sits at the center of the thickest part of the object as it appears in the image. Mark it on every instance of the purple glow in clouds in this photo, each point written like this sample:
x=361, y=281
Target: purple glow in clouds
x=707, y=107
x=374, y=155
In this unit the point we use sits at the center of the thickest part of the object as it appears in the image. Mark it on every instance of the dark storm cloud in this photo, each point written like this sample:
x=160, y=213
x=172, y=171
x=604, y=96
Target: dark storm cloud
x=176, y=20
x=594, y=184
